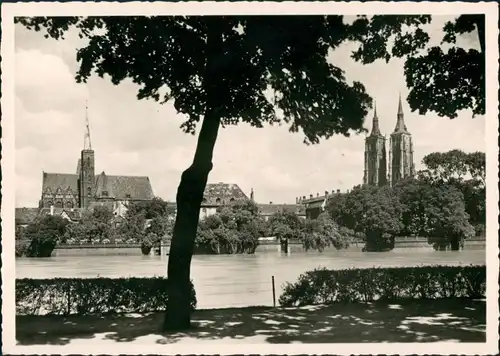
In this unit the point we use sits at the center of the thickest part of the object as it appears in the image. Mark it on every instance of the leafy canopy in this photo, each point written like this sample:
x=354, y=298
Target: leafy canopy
x=370, y=210
x=443, y=79
x=43, y=234
x=437, y=211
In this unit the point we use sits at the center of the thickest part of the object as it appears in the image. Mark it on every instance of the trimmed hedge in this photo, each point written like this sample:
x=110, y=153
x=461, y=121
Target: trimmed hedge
x=81, y=296
x=322, y=286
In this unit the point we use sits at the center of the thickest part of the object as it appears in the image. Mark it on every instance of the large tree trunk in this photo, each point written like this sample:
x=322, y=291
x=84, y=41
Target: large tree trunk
x=192, y=186
x=189, y=198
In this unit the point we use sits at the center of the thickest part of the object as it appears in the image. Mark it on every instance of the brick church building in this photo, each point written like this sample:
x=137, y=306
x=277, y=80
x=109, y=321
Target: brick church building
x=380, y=170
x=85, y=189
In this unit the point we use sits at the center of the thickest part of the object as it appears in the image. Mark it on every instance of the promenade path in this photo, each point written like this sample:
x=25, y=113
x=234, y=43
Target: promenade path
x=408, y=321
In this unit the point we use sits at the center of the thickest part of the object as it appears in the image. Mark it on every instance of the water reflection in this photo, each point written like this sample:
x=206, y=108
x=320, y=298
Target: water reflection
x=235, y=280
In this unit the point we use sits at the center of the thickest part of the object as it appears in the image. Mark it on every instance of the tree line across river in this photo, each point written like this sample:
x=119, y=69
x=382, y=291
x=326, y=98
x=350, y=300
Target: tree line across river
x=444, y=202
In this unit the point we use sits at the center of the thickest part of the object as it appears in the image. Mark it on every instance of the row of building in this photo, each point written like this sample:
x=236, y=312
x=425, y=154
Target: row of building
x=70, y=194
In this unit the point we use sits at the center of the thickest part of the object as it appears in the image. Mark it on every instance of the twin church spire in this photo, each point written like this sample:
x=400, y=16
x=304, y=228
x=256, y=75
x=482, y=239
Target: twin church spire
x=379, y=170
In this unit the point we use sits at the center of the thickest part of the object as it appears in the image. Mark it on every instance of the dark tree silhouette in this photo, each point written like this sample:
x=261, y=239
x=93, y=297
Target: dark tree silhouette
x=442, y=80
x=217, y=71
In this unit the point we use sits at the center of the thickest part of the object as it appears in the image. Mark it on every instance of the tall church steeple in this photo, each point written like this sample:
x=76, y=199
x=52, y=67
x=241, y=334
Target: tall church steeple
x=400, y=123
x=87, y=144
x=375, y=124
x=401, y=164
x=86, y=179
x=375, y=172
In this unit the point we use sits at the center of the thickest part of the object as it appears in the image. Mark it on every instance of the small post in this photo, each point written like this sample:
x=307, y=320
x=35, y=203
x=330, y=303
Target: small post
x=274, y=292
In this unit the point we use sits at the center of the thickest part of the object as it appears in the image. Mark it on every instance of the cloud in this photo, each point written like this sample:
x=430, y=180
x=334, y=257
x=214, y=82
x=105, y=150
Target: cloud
x=45, y=82
x=141, y=137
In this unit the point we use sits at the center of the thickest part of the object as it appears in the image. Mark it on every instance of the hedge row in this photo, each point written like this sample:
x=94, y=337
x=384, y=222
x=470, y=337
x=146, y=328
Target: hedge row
x=323, y=286
x=81, y=296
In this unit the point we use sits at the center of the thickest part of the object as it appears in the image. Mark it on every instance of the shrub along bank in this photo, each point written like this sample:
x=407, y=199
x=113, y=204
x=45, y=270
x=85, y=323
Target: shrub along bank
x=322, y=286
x=83, y=296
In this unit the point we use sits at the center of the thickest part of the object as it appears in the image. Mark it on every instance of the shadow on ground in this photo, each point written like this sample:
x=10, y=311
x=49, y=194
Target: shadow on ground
x=408, y=321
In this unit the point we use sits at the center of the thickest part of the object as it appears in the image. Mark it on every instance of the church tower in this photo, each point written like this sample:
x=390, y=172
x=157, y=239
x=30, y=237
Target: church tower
x=375, y=156
x=401, y=164
x=86, y=179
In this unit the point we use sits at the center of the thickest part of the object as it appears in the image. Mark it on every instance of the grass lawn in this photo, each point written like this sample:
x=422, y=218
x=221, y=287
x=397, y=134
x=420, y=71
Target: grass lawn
x=461, y=320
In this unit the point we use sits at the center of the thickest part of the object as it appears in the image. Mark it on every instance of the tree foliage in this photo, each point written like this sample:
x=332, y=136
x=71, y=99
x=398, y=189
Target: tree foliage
x=466, y=172
x=318, y=234
x=43, y=234
x=233, y=229
x=436, y=211
x=285, y=226
x=150, y=208
x=94, y=226
x=372, y=211
x=454, y=166
x=443, y=79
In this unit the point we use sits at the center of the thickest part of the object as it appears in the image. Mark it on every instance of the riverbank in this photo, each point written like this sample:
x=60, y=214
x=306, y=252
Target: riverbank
x=458, y=320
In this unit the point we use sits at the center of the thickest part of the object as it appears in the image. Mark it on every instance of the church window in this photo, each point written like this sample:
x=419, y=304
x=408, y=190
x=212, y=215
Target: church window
x=69, y=205
x=48, y=204
x=104, y=193
x=59, y=204
x=218, y=200
x=127, y=196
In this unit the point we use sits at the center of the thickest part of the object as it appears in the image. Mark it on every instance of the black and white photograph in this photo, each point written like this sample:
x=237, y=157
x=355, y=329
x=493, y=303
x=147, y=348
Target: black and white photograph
x=298, y=177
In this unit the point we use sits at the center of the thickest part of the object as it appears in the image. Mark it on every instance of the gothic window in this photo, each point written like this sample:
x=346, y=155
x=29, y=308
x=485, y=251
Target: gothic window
x=59, y=204
x=231, y=200
x=48, y=204
x=104, y=193
x=69, y=205
x=127, y=196
x=218, y=200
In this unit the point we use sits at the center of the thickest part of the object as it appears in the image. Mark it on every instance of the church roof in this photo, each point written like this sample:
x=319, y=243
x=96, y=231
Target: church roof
x=64, y=181
x=222, y=193
x=118, y=187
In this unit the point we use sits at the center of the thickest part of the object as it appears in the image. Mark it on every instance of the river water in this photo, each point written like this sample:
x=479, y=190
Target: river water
x=235, y=280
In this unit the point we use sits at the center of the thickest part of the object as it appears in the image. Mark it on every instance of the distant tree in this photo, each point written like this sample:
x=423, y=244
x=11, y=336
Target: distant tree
x=43, y=235
x=234, y=228
x=454, y=166
x=161, y=226
x=464, y=171
x=94, y=225
x=435, y=211
x=440, y=80
x=318, y=234
x=372, y=211
x=148, y=242
x=285, y=226
x=150, y=208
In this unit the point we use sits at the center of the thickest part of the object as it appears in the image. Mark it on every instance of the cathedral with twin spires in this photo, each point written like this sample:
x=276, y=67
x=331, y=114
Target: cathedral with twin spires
x=382, y=170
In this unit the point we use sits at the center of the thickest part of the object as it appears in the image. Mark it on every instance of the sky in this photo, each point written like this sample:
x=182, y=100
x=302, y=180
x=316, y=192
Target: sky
x=141, y=137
